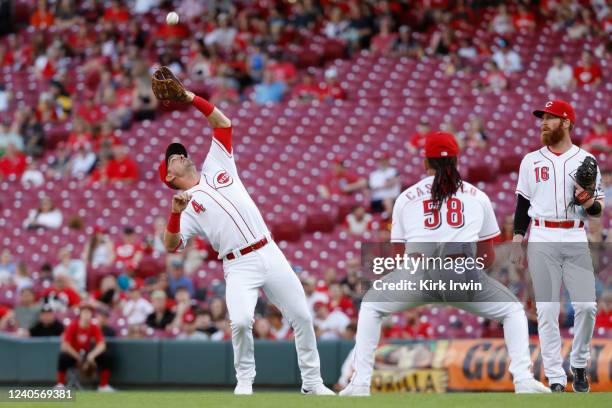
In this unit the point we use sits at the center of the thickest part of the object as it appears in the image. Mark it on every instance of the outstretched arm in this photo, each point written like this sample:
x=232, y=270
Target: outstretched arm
x=167, y=87
x=215, y=117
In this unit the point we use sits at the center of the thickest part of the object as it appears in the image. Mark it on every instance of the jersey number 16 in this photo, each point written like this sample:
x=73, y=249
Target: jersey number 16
x=454, y=214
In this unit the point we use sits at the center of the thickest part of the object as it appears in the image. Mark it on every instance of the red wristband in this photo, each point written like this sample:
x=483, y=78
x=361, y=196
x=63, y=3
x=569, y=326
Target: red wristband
x=203, y=105
x=174, y=223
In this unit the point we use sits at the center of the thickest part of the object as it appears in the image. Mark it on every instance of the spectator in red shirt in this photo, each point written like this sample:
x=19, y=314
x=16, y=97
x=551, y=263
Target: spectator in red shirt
x=308, y=90
x=76, y=349
x=80, y=135
x=523, y=19
x=338, y=300
x=382, y=43
x=604, y=314
x=599, y=140
x=41, y=17
x=12, y=163
x=117, y=13
x=6, y=317
x=414, y=327
x=332, y=89
x=122, y=167
x=341, y=181
x=129, y=252
x=62, y=293
x=417, y=140
x=587, y=72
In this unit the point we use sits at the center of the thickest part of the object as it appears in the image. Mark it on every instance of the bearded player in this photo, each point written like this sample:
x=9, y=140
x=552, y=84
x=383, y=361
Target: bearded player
x=445, y=211
x=558, y=188
x=216, y=205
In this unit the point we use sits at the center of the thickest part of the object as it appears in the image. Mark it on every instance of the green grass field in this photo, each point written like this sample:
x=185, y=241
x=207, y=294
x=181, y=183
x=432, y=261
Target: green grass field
x=225, y=399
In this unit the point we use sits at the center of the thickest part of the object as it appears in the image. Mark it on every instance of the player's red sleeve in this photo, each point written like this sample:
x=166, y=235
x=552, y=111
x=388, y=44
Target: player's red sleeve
x=485, y=250
x=203, y=105
x=224, y=136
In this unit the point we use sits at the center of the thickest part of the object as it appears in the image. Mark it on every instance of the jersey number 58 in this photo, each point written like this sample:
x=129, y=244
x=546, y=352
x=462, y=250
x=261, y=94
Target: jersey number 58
x=454, y=214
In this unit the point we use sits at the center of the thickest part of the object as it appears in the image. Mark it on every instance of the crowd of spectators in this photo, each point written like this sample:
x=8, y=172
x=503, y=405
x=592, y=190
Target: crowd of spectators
x=93, y=63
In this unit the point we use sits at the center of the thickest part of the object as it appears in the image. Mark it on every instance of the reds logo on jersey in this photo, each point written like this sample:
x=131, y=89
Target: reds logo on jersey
x=222, y=179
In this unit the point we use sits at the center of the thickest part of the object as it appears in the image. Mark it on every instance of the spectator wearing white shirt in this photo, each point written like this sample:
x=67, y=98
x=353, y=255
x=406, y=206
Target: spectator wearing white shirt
x=73, y=268
x=83, y=161
x=136, y=308
x=32, y=177
x=190, y=331
x=223, y=36
x=10, y=136
x=507, y=59
x=502, y=22
x=358, y=221
x=385, y=186
x=99, y=251
x=312, y=294
x=560, y=75
x=329, y=326
x=45, y=216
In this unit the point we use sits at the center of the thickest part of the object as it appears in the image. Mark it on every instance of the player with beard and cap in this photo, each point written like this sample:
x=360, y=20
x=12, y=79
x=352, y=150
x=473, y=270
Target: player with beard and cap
x=546, y=193
x=216, y=205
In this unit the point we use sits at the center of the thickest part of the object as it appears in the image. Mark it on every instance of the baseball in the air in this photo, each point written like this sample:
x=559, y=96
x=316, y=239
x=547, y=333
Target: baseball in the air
x=172, y=18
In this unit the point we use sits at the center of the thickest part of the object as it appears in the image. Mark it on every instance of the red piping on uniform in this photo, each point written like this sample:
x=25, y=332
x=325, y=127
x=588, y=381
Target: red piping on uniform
x=219, y=204
x=555, y=173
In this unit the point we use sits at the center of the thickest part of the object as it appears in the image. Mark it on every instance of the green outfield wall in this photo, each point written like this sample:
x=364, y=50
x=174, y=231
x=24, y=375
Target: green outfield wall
x=172, y=362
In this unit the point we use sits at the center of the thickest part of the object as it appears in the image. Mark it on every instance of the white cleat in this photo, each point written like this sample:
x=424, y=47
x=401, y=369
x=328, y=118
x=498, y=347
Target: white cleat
x=320, y=389
x=106, y=388
x=530, y=386
x=353, y=390
x=243, y=388
x=60, y=386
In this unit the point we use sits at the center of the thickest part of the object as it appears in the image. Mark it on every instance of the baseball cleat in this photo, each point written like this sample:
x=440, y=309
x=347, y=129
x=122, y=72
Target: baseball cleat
x=106, y=388
x=243, y=388
x=530, y=386
x=320, y=389
x=556, y=387
x=580, y=382
x=353, y=390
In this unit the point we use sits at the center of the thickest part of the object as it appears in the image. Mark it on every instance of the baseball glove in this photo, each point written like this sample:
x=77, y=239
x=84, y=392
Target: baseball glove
x=88, y=369
x=167, y=87
x=586, y=176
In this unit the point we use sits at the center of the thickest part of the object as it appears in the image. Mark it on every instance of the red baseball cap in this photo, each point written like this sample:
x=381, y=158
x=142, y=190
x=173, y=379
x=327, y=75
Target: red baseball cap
x=189, y=317
x=440, y=144
x=558, y=108
x=173, y=148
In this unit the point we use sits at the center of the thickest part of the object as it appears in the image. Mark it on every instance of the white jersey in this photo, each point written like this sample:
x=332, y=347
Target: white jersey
x=467, y=216
x=547, y=181
x=221, y=209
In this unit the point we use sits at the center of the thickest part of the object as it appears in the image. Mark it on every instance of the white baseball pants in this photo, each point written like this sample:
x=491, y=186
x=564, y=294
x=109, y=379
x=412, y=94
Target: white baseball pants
x=267, y=268
x=503, y=306
x=555, y=256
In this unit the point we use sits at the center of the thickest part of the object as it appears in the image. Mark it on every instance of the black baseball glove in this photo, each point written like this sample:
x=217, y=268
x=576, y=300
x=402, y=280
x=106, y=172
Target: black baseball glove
x=586, y=176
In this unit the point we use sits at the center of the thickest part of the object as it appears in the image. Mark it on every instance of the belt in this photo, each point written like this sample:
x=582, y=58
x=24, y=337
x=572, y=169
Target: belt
x=559, y=224
x=248, y=249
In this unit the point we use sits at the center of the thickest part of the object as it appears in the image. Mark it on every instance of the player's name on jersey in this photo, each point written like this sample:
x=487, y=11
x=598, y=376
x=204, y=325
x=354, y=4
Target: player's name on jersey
x=425, y=285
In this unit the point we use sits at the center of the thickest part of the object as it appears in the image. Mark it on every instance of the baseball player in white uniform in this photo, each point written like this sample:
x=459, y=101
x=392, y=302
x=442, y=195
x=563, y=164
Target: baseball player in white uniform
x=443, y=208
x=216, y=205
x=558, y=249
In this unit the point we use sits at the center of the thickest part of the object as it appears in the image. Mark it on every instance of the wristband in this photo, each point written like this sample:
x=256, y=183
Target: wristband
x=203, y=105
x=174, y=223
x=594, y=210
